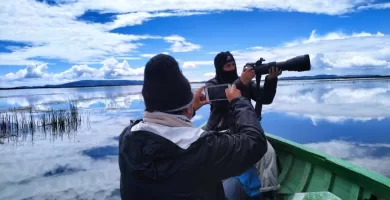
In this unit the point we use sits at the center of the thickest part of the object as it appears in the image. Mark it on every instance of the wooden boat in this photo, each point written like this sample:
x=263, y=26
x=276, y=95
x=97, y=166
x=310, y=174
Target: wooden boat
x=308, y=174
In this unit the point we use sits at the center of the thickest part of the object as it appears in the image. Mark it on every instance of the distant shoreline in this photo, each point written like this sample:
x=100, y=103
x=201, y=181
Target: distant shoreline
x=327, y=78
x=60, y=87
x=68, y=85
x=338, y=78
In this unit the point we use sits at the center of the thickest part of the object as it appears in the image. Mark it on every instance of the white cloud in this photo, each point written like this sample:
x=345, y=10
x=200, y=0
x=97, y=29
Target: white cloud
x=53, y=32
x=77, y=71
x=138, y=18
x=127, y=58
x=31, y=71
x=330, y=7
x=209, y=74
x=375, y=6
x=147, y=55
x=334, y=50
x=111, y=69
x=195, y=64
x=314, y=38
x=333, y=53
x=363, y=52
x=179, y=44
x=150, y=55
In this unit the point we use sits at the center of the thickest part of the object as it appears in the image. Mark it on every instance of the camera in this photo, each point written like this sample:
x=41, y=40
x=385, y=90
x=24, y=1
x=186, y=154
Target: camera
x=298, y=64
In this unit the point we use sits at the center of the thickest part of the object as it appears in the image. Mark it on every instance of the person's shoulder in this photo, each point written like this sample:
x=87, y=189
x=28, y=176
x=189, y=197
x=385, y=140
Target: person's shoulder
x=212, y=81
x=201, y=146
x=126, y=132
x=212, y=141
x=208, y=135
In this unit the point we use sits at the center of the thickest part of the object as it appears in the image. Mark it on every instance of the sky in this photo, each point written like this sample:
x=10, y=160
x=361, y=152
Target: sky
x=57, y=41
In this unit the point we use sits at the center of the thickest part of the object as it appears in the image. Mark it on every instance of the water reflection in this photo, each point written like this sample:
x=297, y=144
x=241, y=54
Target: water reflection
x=348, y=120
x=374, y=156
x=334, y=102
x=84, y=167
x=48, y=97
x=317, y=100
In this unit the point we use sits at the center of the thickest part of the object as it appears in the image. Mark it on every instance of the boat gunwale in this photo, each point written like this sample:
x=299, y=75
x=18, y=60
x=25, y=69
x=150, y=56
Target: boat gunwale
x=368, y=179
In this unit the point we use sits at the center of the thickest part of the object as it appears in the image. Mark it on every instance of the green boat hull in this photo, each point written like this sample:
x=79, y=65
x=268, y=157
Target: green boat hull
x=306, y=170
x=308, y=174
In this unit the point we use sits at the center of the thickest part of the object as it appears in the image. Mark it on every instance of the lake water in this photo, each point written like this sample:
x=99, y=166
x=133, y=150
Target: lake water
x=349, y=120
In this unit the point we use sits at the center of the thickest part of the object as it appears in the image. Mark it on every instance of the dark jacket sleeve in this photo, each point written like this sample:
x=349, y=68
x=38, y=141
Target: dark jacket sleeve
x=239, y=84
x=267, y=93
x=225, y=155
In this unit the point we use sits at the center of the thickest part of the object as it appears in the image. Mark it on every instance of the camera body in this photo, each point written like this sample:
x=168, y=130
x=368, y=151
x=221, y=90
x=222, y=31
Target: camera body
x=298, y=64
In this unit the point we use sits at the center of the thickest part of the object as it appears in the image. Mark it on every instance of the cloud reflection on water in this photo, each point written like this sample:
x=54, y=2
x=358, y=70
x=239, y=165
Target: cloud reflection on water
x=375, y=157
x=64, y=169
x=85, y=96
x=333, y=102
x=85, y=165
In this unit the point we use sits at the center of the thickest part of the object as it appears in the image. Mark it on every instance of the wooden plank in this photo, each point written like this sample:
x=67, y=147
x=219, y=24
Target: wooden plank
x=345, y=189
x=320, y=180
x=287, y=161
x=298, y=176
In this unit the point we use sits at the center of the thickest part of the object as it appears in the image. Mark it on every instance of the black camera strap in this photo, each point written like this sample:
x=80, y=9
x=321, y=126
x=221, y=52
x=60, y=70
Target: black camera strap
x=259, y=105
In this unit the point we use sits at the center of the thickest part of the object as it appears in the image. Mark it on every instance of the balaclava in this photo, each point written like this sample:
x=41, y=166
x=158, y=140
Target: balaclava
x=224, y=76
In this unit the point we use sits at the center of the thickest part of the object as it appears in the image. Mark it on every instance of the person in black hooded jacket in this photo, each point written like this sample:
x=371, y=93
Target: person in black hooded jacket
x=222, y=118
x=226, y=73
x=163, y=156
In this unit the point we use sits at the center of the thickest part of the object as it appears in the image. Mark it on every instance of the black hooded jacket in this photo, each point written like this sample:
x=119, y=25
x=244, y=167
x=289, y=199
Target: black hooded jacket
x=221, y=117
x=153, y=167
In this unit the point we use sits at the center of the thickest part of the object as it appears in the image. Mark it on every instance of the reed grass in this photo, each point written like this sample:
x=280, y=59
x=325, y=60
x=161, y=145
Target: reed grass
x=15, y=122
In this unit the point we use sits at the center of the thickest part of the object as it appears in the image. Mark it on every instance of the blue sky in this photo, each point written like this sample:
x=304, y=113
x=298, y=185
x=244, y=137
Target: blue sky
x=58, y=41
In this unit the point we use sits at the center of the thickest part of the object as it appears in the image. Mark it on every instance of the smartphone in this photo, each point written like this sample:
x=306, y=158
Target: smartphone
x=216, y=92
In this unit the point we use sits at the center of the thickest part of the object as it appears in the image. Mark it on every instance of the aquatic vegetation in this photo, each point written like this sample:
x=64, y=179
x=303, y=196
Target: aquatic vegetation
x=16, y=122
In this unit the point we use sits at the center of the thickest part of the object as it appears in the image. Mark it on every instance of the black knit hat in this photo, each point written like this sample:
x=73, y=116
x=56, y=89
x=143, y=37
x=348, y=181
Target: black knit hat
x=219, y=61
x=165, y=88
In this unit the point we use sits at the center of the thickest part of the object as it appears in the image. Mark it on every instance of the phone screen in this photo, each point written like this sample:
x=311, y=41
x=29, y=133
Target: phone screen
x=217, y=92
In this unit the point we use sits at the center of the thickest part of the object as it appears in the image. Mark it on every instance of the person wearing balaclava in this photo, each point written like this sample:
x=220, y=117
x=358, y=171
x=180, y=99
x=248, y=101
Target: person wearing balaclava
x=226, y=73
x=262, y=178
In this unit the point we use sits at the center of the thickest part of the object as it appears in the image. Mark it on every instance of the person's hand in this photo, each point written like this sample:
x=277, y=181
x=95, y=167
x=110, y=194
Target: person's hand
x=232, y=93
x=272, y=73
x=247, y=75
x=199, y=99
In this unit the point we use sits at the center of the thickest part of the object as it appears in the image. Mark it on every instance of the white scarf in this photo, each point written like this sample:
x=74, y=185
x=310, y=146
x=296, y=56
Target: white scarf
x=176, y=128
x=167, y=119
